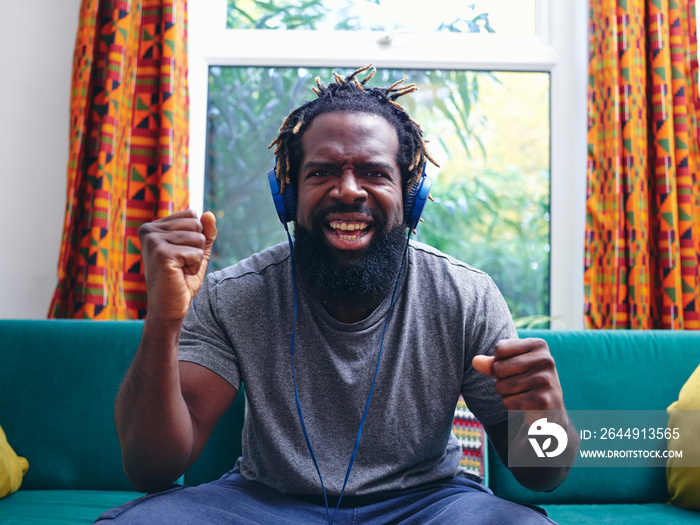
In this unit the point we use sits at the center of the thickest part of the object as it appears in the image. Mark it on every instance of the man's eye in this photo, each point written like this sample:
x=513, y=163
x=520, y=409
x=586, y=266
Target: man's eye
x=318, y=173
x=376, y=174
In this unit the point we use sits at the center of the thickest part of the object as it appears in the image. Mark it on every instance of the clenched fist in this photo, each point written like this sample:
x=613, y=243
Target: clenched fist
x=176, y=251
x=526, y=377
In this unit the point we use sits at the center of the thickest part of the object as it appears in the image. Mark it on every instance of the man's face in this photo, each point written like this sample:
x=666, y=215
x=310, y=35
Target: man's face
x=349, y=182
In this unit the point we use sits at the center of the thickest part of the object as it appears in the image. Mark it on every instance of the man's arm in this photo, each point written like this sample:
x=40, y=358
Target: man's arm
x=527, y=380
x=166, y=410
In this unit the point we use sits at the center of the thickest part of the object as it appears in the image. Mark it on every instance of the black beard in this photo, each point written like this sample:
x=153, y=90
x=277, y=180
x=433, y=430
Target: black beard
x=365, y=282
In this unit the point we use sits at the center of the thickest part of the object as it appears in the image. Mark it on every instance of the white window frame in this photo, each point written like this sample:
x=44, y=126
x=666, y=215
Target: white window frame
x=559, y=47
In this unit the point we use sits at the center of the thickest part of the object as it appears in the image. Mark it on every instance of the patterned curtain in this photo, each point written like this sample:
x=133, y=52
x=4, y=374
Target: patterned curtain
x=643, y=194
x=128, y=151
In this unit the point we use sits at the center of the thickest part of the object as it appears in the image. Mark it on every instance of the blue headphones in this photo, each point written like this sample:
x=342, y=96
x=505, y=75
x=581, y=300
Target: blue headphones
x=413, y=203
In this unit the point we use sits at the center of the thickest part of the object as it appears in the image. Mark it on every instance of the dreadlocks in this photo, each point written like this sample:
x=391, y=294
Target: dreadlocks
x=350, y=94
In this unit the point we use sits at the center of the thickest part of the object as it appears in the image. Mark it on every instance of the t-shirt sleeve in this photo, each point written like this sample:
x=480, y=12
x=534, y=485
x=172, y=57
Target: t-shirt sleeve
x=491, y=322
x=204, y=339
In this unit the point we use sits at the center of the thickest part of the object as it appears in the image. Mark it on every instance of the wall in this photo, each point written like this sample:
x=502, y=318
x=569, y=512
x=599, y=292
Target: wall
x=36, y=55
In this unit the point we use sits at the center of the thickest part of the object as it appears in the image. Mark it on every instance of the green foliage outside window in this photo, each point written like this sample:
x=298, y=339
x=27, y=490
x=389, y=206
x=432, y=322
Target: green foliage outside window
x=257, y=14
x=342, y=15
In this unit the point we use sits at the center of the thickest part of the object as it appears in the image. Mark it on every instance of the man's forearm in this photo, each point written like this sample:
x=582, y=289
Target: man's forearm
x=153, y=421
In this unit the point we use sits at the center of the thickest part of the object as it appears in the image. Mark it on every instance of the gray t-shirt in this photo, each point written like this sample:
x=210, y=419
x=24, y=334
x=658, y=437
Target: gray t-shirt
x=445, y=313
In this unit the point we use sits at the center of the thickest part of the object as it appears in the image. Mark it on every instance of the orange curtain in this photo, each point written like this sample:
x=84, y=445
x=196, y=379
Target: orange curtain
x=128, y=151
x=643, y=194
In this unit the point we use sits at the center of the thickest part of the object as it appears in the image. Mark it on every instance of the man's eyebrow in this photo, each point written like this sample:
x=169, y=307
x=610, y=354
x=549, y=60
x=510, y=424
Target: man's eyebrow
x=379, y=164
x=369, y=164
x=317, y=164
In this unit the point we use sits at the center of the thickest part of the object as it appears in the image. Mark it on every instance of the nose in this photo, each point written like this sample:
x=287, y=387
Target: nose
x=348, y=189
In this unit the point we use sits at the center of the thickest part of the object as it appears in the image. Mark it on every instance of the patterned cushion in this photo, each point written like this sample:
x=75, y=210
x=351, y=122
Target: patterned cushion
x=472, y=437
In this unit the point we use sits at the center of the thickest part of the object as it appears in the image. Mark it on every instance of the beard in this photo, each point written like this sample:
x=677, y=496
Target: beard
x=368, y=280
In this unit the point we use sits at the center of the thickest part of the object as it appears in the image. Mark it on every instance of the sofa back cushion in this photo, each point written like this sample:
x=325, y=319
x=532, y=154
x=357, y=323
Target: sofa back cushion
x=610, y=370
x=58, y=382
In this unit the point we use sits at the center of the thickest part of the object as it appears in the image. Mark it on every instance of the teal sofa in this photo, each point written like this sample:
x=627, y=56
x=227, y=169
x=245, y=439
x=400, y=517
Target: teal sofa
x=58, y=380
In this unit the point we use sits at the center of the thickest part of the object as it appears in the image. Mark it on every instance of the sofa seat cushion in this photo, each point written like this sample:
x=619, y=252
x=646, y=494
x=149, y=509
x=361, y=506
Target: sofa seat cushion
x=60, y=507
x=620, y=514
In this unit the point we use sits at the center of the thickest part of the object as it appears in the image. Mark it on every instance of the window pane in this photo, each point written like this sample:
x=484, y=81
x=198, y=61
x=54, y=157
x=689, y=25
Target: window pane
x=506, y=17
x=489, y=132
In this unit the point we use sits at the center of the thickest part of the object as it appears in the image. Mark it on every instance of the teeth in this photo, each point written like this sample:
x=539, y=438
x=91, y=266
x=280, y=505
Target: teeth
x=348, y=226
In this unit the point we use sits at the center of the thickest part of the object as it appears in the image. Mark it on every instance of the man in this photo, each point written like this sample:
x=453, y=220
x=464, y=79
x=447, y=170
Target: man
x=385, y=335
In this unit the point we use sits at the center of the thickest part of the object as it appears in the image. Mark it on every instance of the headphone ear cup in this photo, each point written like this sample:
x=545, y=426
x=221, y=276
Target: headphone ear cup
x=415, y=200
x=285, y=201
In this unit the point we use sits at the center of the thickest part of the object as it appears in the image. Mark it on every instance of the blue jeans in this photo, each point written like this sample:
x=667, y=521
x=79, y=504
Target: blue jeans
x=234, y=499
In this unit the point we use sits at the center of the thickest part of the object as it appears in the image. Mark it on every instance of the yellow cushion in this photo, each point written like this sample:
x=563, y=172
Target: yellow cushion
x=12, y=467
x=684, y=482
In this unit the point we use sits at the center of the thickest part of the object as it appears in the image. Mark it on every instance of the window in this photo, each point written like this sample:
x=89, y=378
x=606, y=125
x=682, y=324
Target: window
x=250, y=64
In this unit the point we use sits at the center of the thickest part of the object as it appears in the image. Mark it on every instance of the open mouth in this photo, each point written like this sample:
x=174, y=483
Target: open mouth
x=349, y=230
